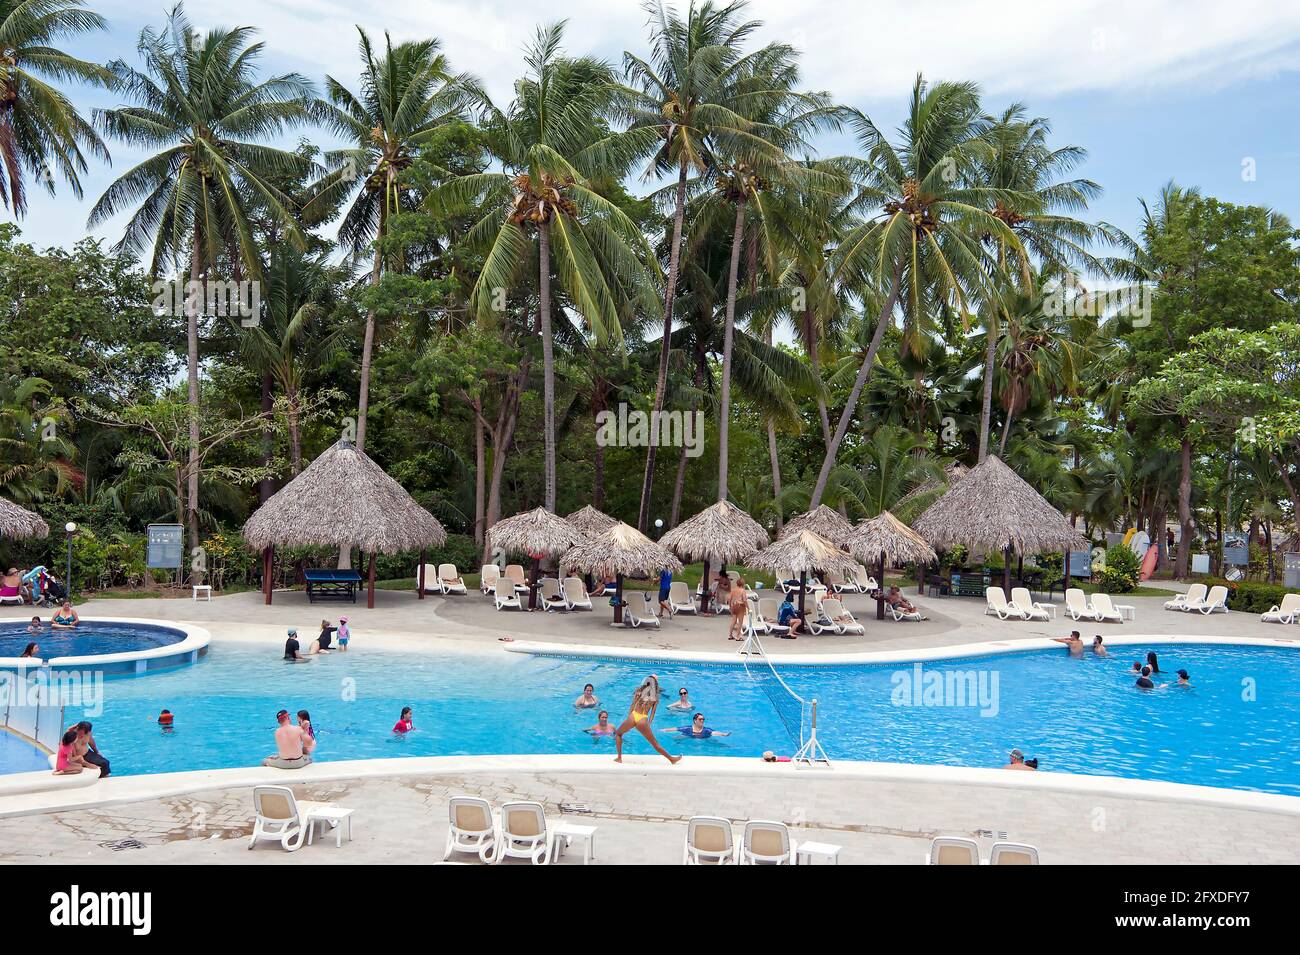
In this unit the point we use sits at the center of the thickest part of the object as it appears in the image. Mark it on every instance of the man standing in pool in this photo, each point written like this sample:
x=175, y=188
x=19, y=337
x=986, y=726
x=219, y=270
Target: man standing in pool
x=641, y=714
x=1074, y=642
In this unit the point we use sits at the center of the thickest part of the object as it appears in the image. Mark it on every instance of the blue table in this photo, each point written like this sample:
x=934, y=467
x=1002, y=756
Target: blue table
x=326, y=584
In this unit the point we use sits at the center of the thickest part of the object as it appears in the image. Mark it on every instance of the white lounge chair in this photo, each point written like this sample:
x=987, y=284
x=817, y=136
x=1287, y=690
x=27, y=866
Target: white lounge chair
x=523, y=833
x=679, y=597
x=899, y=614
x=472, y=827
x=949, y=850
x=11, y=600
x=789, y=583
x=1002, y=608
x=515, y=574
x=1285, y=612
x=448, y=579
x=1105, y=610
x=769, y=616
x=281, y=817
x=848, y=585
x=431, y=583
x=766, y=843
x=708, y=842
x=835, y=617
x=575, y=594
x=488, y=577
x=1076, y=605
x=866, y=583
x=1032, y=609
x=1195, y=594
x=504, y=596
x=1012, y=853
x=1216, y=600
x=551, y=595
x=639, y=610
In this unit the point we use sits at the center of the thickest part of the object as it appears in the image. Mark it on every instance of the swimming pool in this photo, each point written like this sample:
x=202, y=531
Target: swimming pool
x=91, y=637
x=1235, y=728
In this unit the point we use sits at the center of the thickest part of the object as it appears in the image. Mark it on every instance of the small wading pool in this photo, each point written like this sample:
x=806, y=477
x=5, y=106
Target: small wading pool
x=90, y=638
x=1236, y=727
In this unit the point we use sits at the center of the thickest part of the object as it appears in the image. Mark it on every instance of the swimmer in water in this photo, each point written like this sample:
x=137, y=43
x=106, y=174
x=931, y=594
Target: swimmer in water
x=1073, y=642
x=1183, y=678
x=683, y=701
x=166, y=720
x=603, y=726
x=588, y=699
x=1152, y=662
x=1097, y=647
x=641, y=716
x=697, y=729
x=404, y=722
x=292, y=652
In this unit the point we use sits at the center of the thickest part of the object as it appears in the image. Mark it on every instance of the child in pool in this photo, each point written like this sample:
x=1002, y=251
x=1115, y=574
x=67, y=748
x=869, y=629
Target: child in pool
x=404, y=723
x=344, y=634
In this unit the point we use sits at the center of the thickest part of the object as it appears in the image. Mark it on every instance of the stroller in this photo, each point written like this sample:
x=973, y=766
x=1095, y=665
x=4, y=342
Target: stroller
x=53, y=595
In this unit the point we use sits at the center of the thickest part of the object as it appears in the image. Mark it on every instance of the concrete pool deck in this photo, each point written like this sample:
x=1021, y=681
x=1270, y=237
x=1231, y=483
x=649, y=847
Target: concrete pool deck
x=877, y=812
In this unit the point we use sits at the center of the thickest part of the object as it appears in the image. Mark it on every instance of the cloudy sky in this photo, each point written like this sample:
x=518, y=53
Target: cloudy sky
x=1198, y=91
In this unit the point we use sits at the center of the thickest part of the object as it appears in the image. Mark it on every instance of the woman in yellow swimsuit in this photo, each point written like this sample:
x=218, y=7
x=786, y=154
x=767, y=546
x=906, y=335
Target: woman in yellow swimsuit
x=640, y=715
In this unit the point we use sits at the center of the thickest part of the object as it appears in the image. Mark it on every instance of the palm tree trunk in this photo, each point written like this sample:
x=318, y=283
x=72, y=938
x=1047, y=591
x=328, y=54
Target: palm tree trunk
x=295, y=434
x=679, y=488
x=986, y=409
x=548, y=358
x=266, y=487
x=728, y=334
x=480, y=479
x=815, y=362
x=598, y=402
x=1184, y=508
x=1006, y=430
x=368, y=346
x=192, y=306
x=661, y=384
x=774, y=460
x=886, y=314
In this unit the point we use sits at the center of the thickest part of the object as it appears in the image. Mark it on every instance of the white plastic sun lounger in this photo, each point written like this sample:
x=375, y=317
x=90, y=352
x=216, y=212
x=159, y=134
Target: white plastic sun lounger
x=766, y=843
x=1031, y=608
x=1105, y=610
x=575, y=594
x=639, y=610
x=1216, y=601
x=1076, y=605
x=503, y=595
x=848, y=585
x=523, y=833
x=515, y=574
x=949, y=850
x=280, y=817
x=679, y=597
x=836, y=617
x=448, y=579
x=1195, y=594
x=768, y=613
x=1285, y=612
x=1012, y=853
x=708, y=842
x=488, y=577
x=1001, y=607
x=472, y=828
x=551, y=595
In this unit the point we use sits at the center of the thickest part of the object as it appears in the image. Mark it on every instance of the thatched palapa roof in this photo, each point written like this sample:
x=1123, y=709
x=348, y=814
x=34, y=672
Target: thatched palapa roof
x=537, y=533
x=720, y=534
x=19, y=523
x=344, y=499
x=886, y=534
x=591, y=521
x=802, y=552
x=824, y=522
x=991, y=508
x=620, y=550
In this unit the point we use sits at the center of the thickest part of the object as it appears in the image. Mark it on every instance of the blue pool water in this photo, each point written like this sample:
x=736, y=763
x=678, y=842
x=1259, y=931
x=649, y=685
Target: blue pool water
x=90, y=637
x=1237, y=727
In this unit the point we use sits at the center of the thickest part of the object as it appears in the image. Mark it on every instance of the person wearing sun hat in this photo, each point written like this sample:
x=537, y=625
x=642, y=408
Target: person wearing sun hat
x=343, y=635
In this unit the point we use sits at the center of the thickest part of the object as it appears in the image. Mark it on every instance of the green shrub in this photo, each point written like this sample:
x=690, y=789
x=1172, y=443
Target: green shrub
x=1249, y=597
x=1120, y=575
x=460, y=550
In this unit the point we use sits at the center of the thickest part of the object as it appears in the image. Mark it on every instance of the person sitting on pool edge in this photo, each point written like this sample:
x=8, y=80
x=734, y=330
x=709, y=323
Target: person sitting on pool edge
x=1074, y=642
x=697, y=729
x=88, y=750
x=65, y=619
x=1017, y=761
x=67, y=762
x=603, y=726
x=292, y=744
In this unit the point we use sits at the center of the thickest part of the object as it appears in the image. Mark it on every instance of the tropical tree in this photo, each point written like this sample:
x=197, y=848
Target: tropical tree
x=40, y=129
x=199, y=102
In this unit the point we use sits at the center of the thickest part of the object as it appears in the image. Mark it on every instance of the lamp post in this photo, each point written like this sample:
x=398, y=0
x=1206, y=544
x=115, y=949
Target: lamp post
x=659, y=526
x=71, y=528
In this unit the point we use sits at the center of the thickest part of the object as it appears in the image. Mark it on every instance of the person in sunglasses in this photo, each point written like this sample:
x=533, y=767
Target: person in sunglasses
x=683, y=701
x=697, y=729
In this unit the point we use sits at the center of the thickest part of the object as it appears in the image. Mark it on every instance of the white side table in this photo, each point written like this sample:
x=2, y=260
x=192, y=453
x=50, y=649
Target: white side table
x=563, y=834
x=205, y=589
x=335, y=816
x=1127, y=611
x=806, y=852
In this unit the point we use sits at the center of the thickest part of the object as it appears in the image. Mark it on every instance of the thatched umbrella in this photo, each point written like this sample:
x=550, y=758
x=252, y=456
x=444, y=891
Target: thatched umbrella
x=824, y=522
x=591, y=521
x=618, y=552
x=19, y=523
x=721, y=533
x=343, y=499
x=886, y=536
x=537, y=533
x=993, y=508
x=803, y=552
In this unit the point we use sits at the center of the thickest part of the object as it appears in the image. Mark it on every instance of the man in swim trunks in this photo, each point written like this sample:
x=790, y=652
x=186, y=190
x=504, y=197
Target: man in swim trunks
x=292, y=744
x=1017, y=761
x=1073, y=642
x=697, y=729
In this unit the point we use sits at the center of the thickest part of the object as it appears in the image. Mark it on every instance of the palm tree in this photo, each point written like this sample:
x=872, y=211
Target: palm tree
x=550, y=191
x=1020, y=162
x=200, y=103
x=39, y=127
x=407, y=96
x=925, y=224
x=686, y=101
